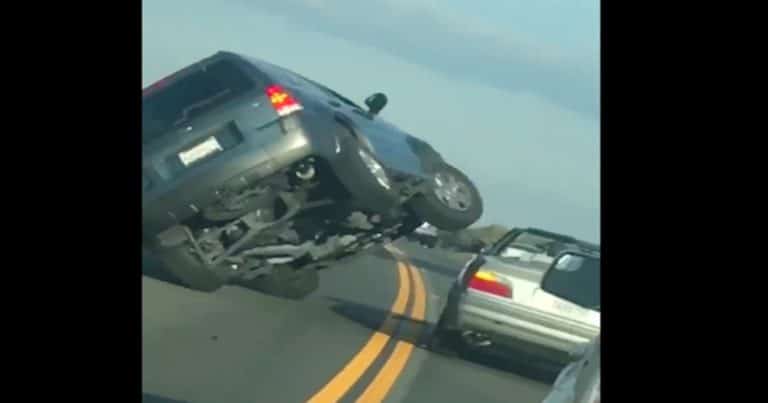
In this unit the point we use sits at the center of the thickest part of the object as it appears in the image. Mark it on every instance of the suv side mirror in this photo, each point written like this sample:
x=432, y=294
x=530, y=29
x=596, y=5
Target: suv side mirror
x=575, y=277
x=376, y=103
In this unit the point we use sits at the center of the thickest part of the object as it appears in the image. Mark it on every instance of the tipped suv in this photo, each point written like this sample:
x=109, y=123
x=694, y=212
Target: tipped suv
x=255, y=175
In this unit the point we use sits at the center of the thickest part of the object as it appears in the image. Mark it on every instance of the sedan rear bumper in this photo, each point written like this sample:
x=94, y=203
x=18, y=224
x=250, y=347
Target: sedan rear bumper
x=521, y=329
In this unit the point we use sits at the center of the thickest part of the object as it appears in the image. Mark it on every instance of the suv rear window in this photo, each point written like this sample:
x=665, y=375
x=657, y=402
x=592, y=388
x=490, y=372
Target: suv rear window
x=192, y=96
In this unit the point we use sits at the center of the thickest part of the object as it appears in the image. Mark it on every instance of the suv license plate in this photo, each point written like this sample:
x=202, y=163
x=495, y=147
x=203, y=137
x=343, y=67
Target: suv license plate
x=200, y=151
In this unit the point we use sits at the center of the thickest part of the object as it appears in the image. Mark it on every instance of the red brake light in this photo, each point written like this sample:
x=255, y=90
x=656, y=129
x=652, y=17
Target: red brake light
x=487, y=282
x=282, y=101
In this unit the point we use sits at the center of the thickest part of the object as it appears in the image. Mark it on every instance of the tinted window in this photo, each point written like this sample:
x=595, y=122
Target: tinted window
x=576, y=279
x=191, y=96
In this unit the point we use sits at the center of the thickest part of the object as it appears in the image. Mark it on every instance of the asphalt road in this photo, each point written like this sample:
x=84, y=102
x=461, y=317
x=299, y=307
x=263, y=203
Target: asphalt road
x=361, y=337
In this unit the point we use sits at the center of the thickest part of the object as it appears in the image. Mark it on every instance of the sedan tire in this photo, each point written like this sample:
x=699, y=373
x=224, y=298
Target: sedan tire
x=182, y=264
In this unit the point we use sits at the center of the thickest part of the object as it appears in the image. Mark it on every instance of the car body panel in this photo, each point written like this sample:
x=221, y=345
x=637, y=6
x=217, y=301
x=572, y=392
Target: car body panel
x=480, y=312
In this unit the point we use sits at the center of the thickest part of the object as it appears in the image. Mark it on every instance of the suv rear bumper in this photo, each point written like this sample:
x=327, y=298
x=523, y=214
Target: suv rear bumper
x=172, y=201
x=169, y=203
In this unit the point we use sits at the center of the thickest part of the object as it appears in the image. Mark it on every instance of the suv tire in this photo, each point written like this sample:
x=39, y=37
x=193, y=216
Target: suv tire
x=285, y=281
x=180, y=262
x=468, y=206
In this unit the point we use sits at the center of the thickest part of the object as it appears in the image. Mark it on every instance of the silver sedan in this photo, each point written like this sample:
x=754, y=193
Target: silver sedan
x=497, y=304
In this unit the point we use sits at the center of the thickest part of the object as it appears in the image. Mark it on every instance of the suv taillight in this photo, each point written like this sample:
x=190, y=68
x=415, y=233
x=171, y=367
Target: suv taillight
x=488, y=282
x=282, y=101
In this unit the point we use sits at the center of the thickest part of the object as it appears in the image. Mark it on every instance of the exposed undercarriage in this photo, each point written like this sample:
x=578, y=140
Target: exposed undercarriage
x=301, y=217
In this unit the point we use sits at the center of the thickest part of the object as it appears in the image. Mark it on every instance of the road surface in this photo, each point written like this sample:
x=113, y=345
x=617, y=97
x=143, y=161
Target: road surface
x=360, y=338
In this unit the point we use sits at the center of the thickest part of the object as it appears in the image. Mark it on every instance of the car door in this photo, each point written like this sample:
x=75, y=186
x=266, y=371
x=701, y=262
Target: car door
x=552, y=304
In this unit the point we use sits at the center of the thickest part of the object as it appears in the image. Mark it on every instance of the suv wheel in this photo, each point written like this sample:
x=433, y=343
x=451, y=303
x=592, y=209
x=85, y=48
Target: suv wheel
x=285, y=281
x=182, y=263
x=451, y=202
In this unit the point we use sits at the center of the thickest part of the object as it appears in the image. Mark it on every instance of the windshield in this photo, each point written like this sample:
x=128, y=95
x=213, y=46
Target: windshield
x=190, y=96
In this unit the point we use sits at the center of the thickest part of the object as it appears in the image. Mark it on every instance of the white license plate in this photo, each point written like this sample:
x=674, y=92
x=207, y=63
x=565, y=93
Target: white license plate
x=200, y=151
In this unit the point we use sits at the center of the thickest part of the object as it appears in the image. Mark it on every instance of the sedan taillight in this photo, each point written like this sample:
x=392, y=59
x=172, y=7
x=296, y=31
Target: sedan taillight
x=488, y=282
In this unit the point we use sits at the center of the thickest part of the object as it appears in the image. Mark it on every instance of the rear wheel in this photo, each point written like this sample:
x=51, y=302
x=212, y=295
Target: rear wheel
x=285, y=281
x=180, y=261
x=452, y=202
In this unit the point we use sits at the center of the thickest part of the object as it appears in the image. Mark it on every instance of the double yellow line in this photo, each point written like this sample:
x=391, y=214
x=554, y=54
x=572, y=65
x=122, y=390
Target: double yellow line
x=378, y=389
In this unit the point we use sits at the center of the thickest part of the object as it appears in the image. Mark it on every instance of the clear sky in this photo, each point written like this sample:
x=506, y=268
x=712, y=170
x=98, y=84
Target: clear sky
x=507, y=90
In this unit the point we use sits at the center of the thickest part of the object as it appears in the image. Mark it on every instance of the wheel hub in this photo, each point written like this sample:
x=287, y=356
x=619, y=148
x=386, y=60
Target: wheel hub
x=452, y=192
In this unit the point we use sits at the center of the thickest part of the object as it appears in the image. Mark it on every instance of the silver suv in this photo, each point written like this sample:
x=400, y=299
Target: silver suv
x=256, y=175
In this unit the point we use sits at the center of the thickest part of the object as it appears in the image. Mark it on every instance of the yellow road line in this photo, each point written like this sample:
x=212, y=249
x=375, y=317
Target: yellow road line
x=343, y=381
x=378, y=389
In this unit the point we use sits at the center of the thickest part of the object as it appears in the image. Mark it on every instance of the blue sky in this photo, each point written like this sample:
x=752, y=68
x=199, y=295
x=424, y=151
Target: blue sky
x=507, y=90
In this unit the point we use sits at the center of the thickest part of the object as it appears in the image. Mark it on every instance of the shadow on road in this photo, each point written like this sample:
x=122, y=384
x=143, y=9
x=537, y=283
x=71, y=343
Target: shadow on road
x=448, y=269
x=150, y=398
x=419, y=333
x=151, y=268
x=407, y=329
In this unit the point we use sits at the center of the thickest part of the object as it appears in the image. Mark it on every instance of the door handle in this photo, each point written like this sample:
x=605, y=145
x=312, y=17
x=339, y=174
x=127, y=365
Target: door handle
x=335, y=104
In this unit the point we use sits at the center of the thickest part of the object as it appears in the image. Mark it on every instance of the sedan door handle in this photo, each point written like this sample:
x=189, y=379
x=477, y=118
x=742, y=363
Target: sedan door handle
x=335, y=104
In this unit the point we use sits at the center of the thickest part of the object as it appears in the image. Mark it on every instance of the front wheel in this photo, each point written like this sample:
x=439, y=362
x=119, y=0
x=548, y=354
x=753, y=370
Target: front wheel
x=451, y=202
